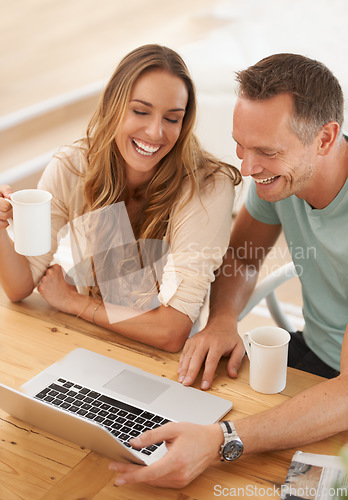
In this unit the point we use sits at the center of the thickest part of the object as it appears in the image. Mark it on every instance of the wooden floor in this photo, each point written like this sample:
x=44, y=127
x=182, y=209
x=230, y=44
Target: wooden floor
x=50, y=47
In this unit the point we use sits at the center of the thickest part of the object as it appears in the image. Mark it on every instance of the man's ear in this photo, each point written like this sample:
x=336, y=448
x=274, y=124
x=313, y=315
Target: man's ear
x=327, y=137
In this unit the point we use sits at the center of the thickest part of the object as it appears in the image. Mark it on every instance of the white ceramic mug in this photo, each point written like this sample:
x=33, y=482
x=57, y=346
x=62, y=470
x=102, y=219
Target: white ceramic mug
x=31, y=224
x=267, y=350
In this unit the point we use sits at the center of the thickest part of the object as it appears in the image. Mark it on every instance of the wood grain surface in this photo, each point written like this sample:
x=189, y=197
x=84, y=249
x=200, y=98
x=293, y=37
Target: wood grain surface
x=37, y=465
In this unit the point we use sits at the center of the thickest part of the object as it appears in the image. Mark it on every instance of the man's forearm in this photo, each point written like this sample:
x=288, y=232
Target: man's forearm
x=312, y=415
x=235, y=282
x=250, y=242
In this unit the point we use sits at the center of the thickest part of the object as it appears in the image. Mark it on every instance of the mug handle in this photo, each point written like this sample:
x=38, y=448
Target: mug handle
x=10, y=220
x=247, y=344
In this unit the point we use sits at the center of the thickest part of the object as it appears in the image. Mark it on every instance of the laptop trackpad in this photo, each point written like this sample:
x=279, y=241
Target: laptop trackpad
x=136, y=386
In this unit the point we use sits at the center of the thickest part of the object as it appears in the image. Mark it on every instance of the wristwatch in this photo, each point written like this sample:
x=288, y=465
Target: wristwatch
x=232, y=448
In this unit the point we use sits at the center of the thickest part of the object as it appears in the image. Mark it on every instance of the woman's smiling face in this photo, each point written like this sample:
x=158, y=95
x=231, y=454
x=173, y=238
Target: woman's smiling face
x=152, y=123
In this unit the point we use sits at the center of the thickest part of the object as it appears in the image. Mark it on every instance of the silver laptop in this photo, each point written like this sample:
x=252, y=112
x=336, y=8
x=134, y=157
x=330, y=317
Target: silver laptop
x=100, y=403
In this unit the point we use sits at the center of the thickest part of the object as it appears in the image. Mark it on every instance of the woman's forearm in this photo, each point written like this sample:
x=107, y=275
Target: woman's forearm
x=163, y=327
x=15, y=274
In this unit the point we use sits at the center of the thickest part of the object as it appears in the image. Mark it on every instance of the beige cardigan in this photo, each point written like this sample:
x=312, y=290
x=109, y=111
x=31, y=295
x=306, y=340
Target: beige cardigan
x=198, y=235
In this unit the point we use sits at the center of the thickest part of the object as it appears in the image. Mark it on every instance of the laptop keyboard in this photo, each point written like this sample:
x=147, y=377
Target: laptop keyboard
x=121, y=419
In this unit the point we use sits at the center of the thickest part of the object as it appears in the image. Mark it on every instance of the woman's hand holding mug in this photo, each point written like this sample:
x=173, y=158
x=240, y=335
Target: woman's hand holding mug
x=5, y=205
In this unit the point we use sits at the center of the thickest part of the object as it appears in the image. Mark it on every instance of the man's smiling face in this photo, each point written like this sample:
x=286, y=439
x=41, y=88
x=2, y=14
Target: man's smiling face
x=280, y=164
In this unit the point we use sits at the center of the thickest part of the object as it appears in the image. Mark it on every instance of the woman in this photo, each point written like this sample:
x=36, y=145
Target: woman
x=139, y=149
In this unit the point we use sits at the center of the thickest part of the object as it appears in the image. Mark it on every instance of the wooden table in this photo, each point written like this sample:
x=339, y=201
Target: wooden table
x=37, y=465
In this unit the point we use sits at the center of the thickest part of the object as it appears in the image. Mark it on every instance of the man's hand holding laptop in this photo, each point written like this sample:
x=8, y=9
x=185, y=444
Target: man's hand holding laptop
x=191, y=449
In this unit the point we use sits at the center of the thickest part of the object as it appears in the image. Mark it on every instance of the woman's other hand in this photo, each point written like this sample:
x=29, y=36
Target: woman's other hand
x=56, y=291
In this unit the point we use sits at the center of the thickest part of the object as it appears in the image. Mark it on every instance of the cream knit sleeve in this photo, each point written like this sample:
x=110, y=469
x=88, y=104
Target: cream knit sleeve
x=198, y=238
x=66, y=189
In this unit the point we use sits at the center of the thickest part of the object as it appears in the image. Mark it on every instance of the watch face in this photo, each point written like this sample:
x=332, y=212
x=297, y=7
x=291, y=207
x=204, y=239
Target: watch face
x=233, y=450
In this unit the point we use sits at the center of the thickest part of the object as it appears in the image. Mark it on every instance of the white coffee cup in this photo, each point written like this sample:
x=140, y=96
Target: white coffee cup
x=267, y=350
x=31, y=224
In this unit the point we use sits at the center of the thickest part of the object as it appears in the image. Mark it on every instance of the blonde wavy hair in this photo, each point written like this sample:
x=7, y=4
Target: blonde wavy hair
x=105, y=180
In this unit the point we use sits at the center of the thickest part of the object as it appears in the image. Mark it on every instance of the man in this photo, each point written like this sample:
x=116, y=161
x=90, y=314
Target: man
x=287, y=126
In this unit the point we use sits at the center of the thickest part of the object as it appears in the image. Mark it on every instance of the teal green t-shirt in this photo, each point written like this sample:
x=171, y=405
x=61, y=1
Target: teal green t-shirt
x=318, y=243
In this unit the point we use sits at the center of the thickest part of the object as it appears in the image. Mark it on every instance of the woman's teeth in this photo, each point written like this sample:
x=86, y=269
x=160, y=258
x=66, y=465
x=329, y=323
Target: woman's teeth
x=145, y=149
x=266, y=181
